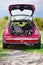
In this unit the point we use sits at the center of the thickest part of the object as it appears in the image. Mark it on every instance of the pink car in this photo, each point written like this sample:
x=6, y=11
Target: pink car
x=21, y=28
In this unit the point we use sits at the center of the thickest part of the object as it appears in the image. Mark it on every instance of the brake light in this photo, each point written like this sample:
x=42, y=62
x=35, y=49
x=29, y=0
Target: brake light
x=7, y=32
x=36, y=32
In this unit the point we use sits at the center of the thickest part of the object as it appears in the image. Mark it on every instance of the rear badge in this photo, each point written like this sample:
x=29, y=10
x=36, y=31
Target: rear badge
x=21, y=40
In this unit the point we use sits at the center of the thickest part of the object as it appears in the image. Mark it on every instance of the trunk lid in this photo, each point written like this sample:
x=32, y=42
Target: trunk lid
x=23, y=8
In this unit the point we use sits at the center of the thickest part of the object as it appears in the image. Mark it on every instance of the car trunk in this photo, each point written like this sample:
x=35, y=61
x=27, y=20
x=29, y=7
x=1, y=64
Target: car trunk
x=25, y=30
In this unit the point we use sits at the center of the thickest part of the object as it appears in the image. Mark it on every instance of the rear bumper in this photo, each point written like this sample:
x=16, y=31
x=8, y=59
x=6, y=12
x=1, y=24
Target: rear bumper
x=24, y=43
x=21, y=40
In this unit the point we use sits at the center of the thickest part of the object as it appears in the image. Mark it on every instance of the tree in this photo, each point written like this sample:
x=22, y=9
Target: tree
x=6, y=18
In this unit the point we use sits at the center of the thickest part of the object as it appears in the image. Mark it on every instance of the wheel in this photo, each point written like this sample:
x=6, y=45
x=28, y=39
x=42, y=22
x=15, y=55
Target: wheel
x=4, y=45
x=38, y=46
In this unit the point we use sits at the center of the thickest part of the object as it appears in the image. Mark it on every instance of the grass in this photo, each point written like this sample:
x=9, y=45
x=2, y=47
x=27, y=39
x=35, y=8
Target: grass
x=41, y=36
x=3, y=24
x=3, y=51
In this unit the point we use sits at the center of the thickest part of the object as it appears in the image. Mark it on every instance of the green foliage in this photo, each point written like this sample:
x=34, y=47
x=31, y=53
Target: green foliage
x=3, y=52
x=6, y=18
x=3, y=24
x=39, y=22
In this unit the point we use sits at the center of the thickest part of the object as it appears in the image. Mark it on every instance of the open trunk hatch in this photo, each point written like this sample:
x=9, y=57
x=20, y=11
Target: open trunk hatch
x=22, y=7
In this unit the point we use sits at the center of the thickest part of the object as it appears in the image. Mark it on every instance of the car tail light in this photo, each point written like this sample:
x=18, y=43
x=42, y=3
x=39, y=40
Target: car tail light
x=7, y=32
x=36, y=32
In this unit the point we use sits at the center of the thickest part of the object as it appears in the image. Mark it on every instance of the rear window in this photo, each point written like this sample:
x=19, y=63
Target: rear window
x=26, y=12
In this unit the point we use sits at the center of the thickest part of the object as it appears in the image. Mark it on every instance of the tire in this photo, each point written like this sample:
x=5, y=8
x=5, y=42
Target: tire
x=4, y=45
x=38, y=46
